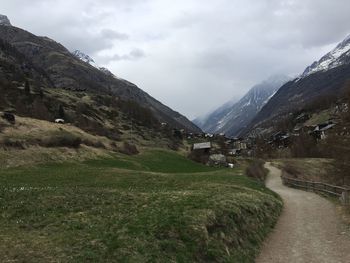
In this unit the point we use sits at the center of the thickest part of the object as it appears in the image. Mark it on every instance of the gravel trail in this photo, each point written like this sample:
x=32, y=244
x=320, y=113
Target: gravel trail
x=309, y=229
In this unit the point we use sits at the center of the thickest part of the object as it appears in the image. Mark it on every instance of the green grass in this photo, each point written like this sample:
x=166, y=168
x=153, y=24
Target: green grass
x=156, y=207
x=320, y=117
x=155, y=161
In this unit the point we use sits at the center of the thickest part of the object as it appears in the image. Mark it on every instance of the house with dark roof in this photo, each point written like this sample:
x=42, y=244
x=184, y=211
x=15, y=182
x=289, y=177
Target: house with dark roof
x=202, y=146
x=321, y=130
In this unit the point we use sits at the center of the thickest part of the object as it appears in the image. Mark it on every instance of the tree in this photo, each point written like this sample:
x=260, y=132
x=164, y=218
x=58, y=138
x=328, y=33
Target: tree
x=41, y=93
x=27, y=88
x=304, y=146
x=61, y=113
x=40, y=111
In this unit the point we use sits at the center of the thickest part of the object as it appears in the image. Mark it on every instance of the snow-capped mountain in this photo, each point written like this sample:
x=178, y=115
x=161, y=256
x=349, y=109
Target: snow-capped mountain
x=4, y=21
x=83, y=57
x=333, y=59
x=324, y=78
x=87, y=59
x=231, y=118
x=207, y=121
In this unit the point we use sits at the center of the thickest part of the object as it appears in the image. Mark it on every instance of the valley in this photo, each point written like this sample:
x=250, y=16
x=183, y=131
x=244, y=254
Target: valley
x=93, y=168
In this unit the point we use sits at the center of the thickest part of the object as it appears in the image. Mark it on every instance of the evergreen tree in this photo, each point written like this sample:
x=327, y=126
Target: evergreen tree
x=27, y=88
x=41, y=93
x=61, y=113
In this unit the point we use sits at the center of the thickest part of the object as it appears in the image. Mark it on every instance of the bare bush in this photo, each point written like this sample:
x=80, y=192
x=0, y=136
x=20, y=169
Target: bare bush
x=290, y=170
x=256, y=170
x=95, y=144
x=114, y=146
x=61, y=139
x=199, y=156
x=129, y=149
x=12, y=143
x=304, y=146
x=3, y=125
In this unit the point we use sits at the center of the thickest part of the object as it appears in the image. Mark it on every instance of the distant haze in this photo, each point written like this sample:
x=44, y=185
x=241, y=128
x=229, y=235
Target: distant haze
x=192, y=55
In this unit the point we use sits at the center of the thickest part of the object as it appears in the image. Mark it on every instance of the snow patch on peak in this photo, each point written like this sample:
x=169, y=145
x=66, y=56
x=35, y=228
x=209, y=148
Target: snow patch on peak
x=331, y=60
x=4, y=21
x=83, y=57
x=87, y=59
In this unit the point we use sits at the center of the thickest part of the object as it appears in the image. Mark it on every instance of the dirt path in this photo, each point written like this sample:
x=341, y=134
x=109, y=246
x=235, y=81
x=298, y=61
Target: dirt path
x=307, y=231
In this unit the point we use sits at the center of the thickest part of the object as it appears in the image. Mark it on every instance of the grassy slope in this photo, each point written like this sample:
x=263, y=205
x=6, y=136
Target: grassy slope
x=30, y=133
x=156, y=207
x=320, y=117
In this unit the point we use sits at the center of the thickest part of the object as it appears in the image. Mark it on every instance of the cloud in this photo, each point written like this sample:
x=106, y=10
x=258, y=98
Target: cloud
x=199, y=53
x=111, y=34
x=134, y=54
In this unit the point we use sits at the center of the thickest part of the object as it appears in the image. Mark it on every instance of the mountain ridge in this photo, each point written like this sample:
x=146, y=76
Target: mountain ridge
x=66, y=71
x=231, y=118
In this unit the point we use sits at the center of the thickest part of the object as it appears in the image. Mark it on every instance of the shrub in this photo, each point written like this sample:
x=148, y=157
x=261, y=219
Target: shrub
x=257, y=170
x=82, y=108
x=9, y=117
x=96, y=144
x=290, y=170
x=61, y=139
x=3, y=125
x=27, y=88
x=40, y=111
x=137, y=113
x=174, y=144
x=114, y=146
x=199, y=157
x=129, y=149
x=304, y=146
x=61, y=112
x=12, y=143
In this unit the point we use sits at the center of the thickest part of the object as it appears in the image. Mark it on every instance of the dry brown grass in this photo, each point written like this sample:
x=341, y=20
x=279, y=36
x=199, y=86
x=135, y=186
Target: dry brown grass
x=32, y=134
x=257, y=170
x=313, y=169
x=31, y=130
x=38, y=155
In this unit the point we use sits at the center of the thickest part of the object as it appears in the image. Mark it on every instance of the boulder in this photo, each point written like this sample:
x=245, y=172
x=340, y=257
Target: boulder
x=217, y=159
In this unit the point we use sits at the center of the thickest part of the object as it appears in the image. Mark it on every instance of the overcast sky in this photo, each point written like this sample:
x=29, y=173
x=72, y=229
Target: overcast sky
x=192, y=55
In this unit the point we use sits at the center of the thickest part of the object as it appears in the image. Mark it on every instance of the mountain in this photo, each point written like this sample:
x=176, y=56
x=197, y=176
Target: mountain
x=87, y=59
x=333, y=59
x=232, y=118
x=325, y=78
x=4, y=21
x=83, y=57
x=209, y=120
x=67, y=71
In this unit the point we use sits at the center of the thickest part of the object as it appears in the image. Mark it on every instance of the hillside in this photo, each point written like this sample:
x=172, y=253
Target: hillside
x=63, y=70
x=233, y=117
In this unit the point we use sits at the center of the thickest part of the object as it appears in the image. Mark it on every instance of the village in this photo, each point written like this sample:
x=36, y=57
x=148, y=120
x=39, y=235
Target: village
x=222, y=150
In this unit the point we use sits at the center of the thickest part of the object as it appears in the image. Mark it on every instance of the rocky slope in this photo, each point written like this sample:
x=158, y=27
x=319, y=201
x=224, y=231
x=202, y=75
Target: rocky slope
x=232, y=118
x=66, y=71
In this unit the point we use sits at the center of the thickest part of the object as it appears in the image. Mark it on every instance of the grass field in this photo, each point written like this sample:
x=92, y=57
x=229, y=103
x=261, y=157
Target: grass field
x=155, y=207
